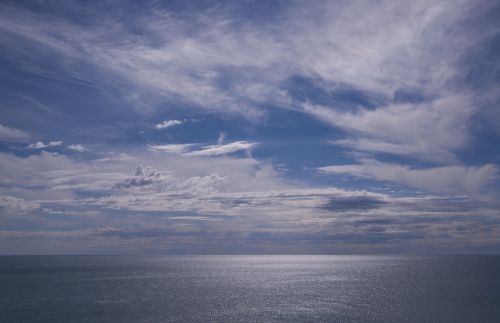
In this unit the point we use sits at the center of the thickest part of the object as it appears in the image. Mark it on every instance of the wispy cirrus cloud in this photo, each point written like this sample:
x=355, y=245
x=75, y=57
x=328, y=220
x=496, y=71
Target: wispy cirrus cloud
x=349, y=51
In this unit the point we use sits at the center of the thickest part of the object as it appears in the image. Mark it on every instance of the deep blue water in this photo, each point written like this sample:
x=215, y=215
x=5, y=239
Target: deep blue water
x=250, y=288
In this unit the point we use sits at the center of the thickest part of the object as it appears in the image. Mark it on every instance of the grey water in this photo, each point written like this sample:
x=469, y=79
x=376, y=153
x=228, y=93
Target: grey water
x=250, y=289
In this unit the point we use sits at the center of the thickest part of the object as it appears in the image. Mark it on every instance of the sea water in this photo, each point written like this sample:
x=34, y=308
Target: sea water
x=250, y=289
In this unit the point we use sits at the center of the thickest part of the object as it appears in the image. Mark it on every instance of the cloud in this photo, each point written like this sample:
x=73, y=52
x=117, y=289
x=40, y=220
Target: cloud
x=77, y=147
x=353, y=203
x=168, y=124
x=152, y=181
x=234, y=67
x=249, y=201
x=222, y=137
x=223, y=149
x=215, y=195
x=16, y=206
x=171, y=148
x=40, y=145
x=206, y=151
x=444, y=179
x=429, y=130
x=55, y=176
x=143, y=176
x=45, y=173
x=12, y=134
x=37, y=103
x=228, y=67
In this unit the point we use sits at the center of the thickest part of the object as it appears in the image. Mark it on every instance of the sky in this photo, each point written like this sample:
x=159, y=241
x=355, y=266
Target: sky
x=249, y=127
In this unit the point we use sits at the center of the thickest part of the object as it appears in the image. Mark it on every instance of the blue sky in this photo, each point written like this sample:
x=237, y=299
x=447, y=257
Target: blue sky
x=249, y=127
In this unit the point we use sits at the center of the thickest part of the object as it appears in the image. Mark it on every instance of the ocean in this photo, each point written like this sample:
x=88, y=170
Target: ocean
x=250, y=289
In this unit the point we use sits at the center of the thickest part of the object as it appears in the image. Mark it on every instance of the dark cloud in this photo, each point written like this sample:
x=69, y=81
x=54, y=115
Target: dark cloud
x=353, y=203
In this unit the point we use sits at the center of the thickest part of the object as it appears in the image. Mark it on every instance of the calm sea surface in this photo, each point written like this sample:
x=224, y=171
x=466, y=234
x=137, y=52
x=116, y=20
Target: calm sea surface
x=250, y=288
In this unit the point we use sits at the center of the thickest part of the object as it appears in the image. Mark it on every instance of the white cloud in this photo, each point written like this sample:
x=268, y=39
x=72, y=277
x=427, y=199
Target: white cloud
x=61, y=175
x=49, y=176
x=224, y=149
x=222, y=137
x=417, y=51
x=150, y=189
x=16, y=206
x=244, y=195
x=430, y=130
x=421, y=50
x=444, y=179
x=40, y=145
x=206, y=151
x=149, y=180
x=168, y=124
x=77, y=147
x=172, y=148
x=12, y=134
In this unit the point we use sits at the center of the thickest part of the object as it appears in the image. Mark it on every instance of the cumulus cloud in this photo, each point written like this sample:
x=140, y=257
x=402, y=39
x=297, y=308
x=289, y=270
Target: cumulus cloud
x=12, y=134
x=168, y=124
x=444, y=179
x=40, y=145
x=143, y=176
x=152, y=181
